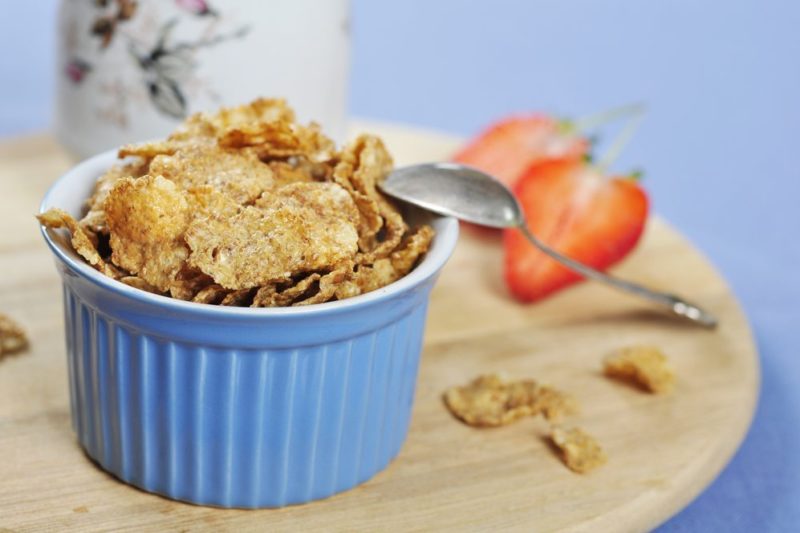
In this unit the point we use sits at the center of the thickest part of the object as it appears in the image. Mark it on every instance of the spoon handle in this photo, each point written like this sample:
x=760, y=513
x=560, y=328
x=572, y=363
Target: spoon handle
x=676, y=304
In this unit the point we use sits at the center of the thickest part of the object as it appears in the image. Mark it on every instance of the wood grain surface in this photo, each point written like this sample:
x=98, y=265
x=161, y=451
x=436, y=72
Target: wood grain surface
x=662, y=450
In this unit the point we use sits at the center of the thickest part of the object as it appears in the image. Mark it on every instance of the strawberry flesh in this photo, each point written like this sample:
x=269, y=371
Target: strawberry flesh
x=506, y=148
x=580, y=213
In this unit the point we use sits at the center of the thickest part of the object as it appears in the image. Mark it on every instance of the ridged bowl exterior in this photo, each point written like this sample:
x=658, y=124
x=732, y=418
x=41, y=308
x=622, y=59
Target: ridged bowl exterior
x=238, y=407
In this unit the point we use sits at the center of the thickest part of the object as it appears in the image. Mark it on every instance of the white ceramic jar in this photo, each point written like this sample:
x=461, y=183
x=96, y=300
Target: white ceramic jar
x=131, y=70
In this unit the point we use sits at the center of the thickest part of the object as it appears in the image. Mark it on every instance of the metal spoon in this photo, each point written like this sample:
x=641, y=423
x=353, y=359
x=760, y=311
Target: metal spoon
x=469, y=194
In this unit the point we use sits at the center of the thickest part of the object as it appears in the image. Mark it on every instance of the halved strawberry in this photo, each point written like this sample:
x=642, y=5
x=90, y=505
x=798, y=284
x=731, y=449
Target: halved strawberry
x=578, y=211
x=507, y=147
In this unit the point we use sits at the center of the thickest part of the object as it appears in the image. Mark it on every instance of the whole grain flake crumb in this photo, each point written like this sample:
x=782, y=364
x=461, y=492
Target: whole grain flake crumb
x=12, y=337
x=645, y=366
x=489, y=401
x=579, y=450
x=553, y=404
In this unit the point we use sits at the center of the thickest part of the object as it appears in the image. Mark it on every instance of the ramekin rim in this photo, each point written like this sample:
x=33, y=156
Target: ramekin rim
x=444, y=242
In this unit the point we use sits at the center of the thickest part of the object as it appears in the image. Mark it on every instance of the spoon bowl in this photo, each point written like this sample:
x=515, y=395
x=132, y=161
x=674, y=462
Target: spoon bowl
x=456, y=190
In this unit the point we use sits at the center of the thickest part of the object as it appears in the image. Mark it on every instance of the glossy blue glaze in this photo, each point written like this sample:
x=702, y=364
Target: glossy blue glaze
x=239, y=407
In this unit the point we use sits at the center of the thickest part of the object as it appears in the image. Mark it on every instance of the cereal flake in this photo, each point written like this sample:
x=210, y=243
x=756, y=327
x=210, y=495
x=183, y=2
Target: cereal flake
x=645, y=366
x=579, y=450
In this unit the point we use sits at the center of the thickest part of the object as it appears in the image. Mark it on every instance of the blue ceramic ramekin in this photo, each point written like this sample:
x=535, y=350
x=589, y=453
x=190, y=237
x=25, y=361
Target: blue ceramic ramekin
x=238, y=407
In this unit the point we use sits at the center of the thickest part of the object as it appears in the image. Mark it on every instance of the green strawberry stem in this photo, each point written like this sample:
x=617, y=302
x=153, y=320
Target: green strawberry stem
x=594, y=121
x=619, y=143
x=636, y=175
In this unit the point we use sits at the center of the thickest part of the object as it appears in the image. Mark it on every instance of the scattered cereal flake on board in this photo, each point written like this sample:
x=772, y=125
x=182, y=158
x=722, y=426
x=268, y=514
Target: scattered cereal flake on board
x=293, y=229
x=553, y=404
x=12, y=337
x=579, y=450
x=81, y=242
x=645, y=366
x=238, y=174
x=488, y=401
x=147, y=217
x=95, y=218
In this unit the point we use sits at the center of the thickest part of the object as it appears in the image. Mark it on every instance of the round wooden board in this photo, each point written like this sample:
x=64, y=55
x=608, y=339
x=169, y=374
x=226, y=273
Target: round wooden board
x=662, y=450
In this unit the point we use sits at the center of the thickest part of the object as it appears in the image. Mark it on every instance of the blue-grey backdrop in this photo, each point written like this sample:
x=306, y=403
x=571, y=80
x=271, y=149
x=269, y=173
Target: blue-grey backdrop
x=722, y=80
